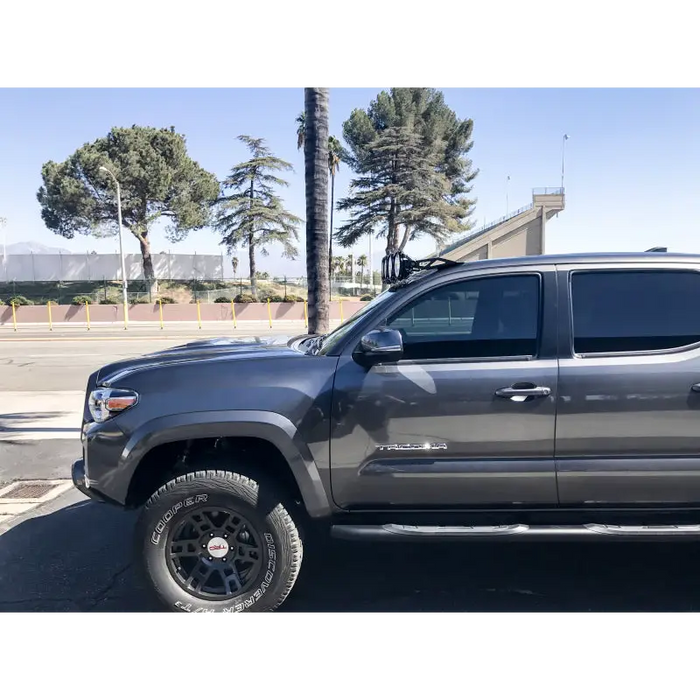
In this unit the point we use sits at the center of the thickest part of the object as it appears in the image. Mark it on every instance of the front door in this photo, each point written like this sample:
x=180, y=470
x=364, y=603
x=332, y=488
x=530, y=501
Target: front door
x=628, y=424
x=467, y=417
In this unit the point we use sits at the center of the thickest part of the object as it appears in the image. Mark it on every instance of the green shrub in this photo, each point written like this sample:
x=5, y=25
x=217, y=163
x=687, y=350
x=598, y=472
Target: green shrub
x=366, y=297
x=293, y=298
x=112, y=301
x=274, y=298
x=141, y=300
x=19, y=300
x=81, y=300
x=245, y=299
x=222, y=300
x=167, y=300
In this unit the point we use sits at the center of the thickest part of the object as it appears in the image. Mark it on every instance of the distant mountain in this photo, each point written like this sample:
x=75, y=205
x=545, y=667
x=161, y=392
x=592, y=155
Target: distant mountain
x=26, y=247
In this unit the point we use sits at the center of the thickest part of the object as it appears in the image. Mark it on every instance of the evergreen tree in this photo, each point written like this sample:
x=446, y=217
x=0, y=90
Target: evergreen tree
x=409, y=151
x=253, y=216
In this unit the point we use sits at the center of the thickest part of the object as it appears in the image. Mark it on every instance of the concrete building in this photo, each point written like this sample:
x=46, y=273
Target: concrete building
x=520, y=233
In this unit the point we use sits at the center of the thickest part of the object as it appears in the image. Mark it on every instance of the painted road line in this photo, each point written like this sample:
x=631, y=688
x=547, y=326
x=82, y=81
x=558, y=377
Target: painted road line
x=38, y=435
x=41, y=415
x=15, y=508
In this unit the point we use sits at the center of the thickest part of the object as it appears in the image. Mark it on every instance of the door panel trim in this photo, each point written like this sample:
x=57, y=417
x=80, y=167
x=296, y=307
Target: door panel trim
x=477, y=482
x=629, y=480
x=465, y=467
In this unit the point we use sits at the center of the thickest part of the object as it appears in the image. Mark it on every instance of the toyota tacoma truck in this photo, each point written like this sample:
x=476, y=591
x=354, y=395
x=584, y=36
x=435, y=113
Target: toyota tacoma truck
x=546, y=397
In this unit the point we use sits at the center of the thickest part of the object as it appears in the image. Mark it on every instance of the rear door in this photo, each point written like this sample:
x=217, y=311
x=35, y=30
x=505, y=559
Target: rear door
x=628, y=418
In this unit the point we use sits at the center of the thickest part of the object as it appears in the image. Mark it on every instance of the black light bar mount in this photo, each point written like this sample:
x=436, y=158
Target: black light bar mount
x=398, y=266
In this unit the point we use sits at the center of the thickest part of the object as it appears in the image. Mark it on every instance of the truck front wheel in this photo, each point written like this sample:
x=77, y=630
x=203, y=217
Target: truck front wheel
x=217, y=541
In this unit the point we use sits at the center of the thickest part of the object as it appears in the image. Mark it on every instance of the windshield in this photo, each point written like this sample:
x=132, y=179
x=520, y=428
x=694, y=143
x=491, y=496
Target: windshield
x=331, y=340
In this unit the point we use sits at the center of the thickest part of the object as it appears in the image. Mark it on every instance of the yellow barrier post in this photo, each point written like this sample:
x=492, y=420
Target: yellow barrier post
x=199, y=316
x=340, y=301
x=306, y=313
x=48, y=306
x=87, y=312
x=126, y=317
x=233, y=312
x=160, y=312
x=14, y=316
x=269, y=311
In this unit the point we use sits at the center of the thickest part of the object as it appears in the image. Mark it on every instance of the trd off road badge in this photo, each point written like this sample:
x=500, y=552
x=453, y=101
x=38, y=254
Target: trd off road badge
x=411, y=446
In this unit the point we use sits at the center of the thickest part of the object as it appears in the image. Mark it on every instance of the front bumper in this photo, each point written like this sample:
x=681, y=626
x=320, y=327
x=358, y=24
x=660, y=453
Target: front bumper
x=81, y=483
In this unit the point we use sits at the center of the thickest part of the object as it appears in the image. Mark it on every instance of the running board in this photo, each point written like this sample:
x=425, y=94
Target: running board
x=518, y=532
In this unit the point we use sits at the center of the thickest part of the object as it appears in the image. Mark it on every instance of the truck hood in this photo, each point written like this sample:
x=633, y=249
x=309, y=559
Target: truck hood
x=204, y=350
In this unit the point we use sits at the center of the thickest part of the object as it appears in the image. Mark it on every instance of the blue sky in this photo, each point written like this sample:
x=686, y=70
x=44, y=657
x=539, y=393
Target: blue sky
x=632, y=159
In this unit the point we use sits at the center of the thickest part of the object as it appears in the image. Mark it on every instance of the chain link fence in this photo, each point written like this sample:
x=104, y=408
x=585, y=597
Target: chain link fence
x=106, y=291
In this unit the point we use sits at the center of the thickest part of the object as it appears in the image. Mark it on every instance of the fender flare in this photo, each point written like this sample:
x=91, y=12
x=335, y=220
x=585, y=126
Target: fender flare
x=266, y=425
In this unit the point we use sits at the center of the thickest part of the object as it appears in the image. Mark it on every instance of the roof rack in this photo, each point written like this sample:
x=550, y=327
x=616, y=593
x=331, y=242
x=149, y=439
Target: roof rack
x=398, y=266
x=658, y=249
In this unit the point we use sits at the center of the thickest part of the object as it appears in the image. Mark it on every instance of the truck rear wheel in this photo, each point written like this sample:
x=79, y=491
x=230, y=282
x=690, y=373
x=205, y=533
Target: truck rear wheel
x=217, y=541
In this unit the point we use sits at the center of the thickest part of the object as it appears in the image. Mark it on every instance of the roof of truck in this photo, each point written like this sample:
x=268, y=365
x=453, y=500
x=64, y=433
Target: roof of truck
x=572, y=258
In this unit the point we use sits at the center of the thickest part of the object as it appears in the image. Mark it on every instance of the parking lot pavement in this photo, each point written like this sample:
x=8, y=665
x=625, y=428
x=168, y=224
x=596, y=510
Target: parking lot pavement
x=42, y=363
x=74, y=555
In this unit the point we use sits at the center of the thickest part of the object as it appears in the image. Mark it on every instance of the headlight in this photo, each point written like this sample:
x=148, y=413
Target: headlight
x=104, y=403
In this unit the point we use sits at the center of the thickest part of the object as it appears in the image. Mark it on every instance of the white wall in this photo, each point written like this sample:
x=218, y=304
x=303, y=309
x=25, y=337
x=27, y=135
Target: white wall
x=99, y=266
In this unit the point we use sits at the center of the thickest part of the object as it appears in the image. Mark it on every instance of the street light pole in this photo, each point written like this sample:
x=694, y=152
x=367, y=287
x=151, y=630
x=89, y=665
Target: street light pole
x=507, y=184
x=125, y=284
x=565, y=138
x=3, y=223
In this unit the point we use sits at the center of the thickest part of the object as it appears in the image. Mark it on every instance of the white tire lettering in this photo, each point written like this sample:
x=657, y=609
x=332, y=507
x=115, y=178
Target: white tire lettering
x=168, y=515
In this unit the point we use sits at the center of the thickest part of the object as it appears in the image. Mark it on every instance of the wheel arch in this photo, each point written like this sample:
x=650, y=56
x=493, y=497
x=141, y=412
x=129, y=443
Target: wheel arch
x=262, y=426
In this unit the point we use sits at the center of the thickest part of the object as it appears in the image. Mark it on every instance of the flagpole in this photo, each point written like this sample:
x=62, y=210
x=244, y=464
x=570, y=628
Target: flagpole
x=565, y=138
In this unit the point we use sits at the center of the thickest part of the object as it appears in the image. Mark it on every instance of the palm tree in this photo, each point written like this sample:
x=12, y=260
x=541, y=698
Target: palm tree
x=362, y=262
x=335, y=153
x=337, y=264
x=301, y=130
x=316, y=177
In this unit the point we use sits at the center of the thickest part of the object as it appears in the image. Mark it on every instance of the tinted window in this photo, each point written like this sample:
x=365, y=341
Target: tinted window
x=487, y=317
x=635, y=311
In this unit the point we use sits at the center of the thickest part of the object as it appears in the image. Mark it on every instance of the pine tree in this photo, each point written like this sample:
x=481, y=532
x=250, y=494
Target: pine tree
x=253, y=216
x=409, y=151
x=404, y=194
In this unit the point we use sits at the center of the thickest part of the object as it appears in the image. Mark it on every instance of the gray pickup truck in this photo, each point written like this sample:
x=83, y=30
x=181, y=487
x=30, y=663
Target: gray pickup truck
x=546, y=397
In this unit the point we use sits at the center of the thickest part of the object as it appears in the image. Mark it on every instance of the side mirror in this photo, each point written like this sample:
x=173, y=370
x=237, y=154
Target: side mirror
x=382, y=345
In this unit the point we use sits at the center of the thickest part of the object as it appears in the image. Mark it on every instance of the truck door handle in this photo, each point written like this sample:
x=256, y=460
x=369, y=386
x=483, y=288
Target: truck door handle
x=695, y=387
x=510, y=392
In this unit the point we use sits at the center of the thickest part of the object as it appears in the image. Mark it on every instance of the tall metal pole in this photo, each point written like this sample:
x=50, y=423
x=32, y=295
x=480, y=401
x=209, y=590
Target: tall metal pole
x=565, y=138
x=330, y=238
x=125, y=284
x=3, y=223
x=507, y=185
x=371, y=269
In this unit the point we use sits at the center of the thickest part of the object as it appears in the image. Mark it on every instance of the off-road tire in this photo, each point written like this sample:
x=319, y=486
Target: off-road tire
x=256, y=501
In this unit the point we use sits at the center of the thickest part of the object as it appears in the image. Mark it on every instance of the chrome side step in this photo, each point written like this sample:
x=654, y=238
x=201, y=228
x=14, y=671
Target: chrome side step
x=538, y=532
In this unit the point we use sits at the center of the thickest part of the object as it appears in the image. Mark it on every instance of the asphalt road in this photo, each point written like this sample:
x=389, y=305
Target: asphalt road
x=74, y=555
